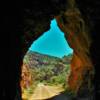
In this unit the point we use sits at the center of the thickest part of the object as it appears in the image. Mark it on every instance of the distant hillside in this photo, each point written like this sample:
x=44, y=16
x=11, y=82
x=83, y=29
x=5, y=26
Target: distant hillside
x=47, y=69
x=34, y=59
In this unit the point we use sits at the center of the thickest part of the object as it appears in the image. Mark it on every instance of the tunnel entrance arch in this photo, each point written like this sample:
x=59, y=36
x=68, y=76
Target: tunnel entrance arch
x=47, y=61
x=78, y=36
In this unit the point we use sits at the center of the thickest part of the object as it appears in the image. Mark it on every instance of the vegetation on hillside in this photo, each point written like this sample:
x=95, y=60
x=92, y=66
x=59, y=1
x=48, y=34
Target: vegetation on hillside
x=48, y=69
x=45, y=69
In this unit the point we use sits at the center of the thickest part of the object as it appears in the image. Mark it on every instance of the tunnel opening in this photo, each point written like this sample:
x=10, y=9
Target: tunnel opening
x=88, y=52
x=46, y=62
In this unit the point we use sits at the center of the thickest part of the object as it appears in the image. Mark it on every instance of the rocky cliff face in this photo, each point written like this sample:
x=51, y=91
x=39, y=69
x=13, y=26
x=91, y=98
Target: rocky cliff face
x=26, y=76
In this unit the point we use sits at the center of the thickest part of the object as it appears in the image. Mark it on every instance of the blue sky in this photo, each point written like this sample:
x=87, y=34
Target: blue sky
x=52, y=42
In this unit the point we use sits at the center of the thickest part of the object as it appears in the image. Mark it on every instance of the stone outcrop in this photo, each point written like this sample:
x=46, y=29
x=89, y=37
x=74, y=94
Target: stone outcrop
x=26, y=80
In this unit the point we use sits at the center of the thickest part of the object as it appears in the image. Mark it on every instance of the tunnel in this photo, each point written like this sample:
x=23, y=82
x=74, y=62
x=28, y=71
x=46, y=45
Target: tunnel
x=78, y=20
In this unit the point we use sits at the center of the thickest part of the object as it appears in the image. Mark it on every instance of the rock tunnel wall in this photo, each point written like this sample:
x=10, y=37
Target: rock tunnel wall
x=77, y=34
x=25, y=20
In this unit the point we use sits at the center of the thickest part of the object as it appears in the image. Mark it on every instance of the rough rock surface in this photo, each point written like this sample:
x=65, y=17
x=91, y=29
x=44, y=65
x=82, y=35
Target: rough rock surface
x=72, y=23
x=78, y=36
x=26, y=76
x=40, y=16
